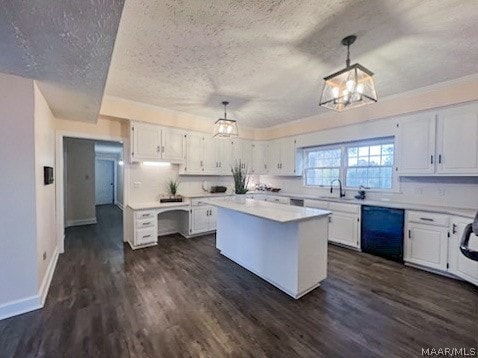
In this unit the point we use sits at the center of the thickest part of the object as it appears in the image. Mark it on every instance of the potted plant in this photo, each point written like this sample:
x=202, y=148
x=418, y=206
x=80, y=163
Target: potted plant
x=241, y=181
x=173, y=186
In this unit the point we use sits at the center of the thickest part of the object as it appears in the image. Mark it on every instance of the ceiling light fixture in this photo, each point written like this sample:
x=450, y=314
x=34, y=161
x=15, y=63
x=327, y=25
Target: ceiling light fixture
x=349, y=88
x=224, y=127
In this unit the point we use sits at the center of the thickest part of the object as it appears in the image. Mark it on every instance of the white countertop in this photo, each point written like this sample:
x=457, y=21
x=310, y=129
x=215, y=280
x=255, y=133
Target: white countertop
x=271, y=211
x=206, y=195
x=157, y=205
x=387, y=204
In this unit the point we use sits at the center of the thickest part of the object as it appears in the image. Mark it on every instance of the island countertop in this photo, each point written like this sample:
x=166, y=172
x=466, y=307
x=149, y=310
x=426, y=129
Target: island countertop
x=267, y=210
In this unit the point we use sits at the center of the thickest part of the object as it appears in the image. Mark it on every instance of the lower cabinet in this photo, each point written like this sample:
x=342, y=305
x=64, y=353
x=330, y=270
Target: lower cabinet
x=203, y=219
x=145, y=228
x=426, y=240
x=344, y=227
x=459, y=264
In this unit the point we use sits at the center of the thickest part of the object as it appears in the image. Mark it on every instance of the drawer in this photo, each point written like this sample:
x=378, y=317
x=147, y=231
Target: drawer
x=145, y=223
x=345, y=208
x=197, y=202
x=278, y=199
x=145, y=214
x=423, y=217
x=146, y=236
x=318, y=204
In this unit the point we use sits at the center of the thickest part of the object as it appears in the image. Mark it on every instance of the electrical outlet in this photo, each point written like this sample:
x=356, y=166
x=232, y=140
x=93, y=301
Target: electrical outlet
x=137, y=184
x=44, y=256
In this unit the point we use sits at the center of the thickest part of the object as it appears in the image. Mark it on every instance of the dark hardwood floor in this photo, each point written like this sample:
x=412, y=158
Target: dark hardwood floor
x=183, y=299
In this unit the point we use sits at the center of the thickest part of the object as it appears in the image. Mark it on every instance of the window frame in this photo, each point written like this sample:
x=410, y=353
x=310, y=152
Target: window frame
x=316, y=148
x=344, y=146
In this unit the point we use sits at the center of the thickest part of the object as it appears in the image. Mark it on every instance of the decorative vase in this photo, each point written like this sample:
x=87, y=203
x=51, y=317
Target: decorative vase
x=240, y=198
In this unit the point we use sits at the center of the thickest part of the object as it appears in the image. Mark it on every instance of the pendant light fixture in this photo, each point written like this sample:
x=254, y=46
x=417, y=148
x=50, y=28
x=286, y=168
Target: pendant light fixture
x=349, y=88
x=224, y=127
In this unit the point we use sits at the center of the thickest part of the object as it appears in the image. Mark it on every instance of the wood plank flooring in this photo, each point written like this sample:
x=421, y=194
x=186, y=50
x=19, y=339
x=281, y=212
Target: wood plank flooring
x=183, y=299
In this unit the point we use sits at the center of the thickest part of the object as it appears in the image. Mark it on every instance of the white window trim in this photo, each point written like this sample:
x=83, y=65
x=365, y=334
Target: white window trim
x=343, y=160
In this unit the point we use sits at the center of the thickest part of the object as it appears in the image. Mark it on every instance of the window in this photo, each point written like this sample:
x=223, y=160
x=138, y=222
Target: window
x=322, y=165
x=370, y=165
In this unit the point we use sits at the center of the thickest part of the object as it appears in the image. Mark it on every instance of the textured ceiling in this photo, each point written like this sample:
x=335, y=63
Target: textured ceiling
x=65, y=45
x=269, y=57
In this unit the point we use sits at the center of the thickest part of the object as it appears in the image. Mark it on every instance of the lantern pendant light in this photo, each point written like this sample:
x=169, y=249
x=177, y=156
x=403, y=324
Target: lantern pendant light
x=349, y=88
x=224, y=127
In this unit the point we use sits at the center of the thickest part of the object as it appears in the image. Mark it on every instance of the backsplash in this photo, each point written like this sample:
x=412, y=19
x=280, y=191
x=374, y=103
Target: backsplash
x=151, y=182
x=459, y=192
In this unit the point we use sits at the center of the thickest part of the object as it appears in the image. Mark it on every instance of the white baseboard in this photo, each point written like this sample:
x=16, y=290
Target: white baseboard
x=80, y=222
x=17, y=307
x=35, y=302
x=45, y=285
x=119, y=205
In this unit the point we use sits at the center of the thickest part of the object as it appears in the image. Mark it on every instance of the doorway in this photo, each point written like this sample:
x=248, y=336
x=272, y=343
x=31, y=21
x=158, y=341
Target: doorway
x=105, y=181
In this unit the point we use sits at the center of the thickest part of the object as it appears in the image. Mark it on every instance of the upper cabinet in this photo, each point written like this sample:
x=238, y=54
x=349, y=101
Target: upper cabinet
x=242, y=151
x=439, y=143
x=415, y=144
x=154, y=143
x=281, y=157
x=457, y=140
x=259, y=158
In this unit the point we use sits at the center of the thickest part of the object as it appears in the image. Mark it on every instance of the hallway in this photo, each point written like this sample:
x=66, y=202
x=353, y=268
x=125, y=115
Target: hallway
x=181, y=298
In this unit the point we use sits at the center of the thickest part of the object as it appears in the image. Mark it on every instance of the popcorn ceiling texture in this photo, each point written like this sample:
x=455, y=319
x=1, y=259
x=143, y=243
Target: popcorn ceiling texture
x=268, y=58
x=65, y=45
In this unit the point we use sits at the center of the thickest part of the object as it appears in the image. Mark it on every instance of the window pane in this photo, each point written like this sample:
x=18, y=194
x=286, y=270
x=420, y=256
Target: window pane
x=353, y=152
x=363, y=152
x=387, y=160
x=375, y=160
x=375, y=150
x=323, y=165
x=362, y=161
x=352, y=161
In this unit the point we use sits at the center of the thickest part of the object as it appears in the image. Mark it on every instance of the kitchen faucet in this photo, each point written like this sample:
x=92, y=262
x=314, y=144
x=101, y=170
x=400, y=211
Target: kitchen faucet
x=342, y=192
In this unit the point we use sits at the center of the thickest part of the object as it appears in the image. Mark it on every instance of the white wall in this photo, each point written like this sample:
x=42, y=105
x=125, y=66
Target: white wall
x=45, y=194
x=18, y=253
x=457, y=192
x=80, y=181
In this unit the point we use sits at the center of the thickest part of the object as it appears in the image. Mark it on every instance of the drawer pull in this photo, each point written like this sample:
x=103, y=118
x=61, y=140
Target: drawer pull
x=149, y=222
x=145, y=236
x=145, y=215
x=426, y=219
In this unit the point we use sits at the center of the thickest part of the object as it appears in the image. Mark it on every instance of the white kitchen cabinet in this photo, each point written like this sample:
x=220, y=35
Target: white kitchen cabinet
x=173, y=145
x=426, y=240
x=223, y=156
x=281, y=155
x=415, y=144
x=344, y=224
x=457, y=140
x=259, y=158
x=242, y=151
x=145, y=228
x=155, y=143
x=194, y=154
x=209, y=160
x=459, y=264
x=146, y=142
x=203, y=219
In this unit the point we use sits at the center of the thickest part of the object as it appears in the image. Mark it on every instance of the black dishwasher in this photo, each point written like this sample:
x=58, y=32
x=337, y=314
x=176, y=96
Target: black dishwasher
x=382, y=232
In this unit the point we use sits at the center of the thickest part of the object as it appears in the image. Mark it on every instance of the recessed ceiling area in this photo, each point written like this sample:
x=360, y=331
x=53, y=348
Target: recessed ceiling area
x=66, y=46
x=268, y=58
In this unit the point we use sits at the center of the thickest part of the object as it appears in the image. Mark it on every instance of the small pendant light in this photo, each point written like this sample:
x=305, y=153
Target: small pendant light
x=349, y=88
x=224, y=127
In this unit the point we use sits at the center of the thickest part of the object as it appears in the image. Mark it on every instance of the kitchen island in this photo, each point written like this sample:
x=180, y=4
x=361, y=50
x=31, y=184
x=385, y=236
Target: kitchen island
x=284, y=245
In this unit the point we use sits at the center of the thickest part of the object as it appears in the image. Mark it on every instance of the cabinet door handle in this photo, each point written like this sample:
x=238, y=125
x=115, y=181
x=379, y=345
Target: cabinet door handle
x=431, y=159
x=162, y=149
x=158, y=149
x=201, y=163
x=453, y=229
x=409, y=234
x=145, y=236
x=439, y=158
x=149, y=222
x=220, y=164
x=427, y=219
